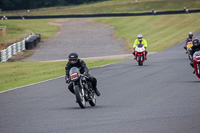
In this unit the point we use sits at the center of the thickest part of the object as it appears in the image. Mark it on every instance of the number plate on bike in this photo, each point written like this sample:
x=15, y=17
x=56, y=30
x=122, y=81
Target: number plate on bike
x=74, y=76
x=189, y=45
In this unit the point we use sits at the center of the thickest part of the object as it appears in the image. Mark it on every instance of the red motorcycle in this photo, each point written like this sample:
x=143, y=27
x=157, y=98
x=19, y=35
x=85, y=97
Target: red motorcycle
x=140, y=54
x=196, y=63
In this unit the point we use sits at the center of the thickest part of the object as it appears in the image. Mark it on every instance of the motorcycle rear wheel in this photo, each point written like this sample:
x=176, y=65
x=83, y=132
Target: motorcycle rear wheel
x=80, y=96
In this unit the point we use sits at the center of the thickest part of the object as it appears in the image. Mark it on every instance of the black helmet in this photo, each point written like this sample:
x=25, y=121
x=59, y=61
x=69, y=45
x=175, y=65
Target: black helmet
x=73, y=58
x=190, y=35
x=195, y=41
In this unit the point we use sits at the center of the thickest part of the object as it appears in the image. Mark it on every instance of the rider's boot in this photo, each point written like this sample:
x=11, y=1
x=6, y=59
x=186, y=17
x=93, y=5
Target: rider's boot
x=191, y=64
x=134, y=55
x=146, y=55
x=97, y=91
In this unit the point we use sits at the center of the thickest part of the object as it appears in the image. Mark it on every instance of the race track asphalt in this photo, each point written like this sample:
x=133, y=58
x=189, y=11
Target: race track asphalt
x=83, y=36
x=160, y=97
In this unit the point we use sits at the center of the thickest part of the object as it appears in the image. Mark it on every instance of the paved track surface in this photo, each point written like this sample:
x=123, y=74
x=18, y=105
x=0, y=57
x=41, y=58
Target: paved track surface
x=160, y=97
x=83, y=36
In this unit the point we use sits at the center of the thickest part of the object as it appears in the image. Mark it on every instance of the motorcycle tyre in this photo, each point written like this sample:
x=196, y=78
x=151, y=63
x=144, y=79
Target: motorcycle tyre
x=80, y=99
x=93, y=101
x=140, y=61
x=198, y=69
x=189, y=56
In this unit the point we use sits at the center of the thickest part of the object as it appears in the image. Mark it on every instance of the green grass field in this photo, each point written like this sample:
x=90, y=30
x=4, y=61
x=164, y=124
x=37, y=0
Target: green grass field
x=160, y=31
x=112, y=6
x=17, y=30
x=15, y=74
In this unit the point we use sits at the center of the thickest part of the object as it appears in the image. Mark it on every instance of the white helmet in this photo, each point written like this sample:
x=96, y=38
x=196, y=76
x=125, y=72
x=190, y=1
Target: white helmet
x=139, y=36
x=190, y=35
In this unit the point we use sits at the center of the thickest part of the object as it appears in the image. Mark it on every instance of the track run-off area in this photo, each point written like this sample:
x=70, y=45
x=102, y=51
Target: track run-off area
x=160, y=97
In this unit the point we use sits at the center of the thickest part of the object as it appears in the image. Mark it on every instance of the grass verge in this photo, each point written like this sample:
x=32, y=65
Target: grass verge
x=160, y=31
x=15, y=74
x=17, y=30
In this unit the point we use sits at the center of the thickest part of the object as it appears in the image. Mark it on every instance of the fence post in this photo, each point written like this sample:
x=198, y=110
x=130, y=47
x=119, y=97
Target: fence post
x=12, y=51
x=17, y=50
x=9, y=52
x=6, y=54
x=21, y=46
x=14, y=48
x=20, y=43
x=3, y=55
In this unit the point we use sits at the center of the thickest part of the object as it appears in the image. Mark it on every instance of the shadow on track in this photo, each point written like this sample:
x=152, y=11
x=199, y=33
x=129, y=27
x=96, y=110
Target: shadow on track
x=190, y=81
x=78, y=108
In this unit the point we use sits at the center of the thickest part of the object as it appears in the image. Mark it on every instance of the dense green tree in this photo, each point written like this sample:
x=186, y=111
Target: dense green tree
x=32, y=4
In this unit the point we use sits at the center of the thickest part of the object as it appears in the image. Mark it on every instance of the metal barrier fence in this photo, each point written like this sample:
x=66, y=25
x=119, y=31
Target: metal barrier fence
x=103, y=15
x=12, y=50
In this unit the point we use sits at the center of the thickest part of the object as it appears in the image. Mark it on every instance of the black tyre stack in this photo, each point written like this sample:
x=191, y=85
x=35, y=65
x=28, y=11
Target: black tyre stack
x=32, y=41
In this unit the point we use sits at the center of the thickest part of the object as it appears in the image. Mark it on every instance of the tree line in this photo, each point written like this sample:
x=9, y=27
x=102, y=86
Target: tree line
x=6, y=5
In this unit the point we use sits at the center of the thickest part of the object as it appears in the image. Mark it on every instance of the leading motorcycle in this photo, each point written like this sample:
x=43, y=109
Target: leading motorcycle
x=82, y=88
x=196, y=63
x=140, y=54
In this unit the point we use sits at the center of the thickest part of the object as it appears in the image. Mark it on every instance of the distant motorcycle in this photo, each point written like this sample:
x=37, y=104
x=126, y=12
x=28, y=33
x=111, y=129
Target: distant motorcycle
x=189, y=45
x=196, y=63
x=82, y=88
x=140, y=54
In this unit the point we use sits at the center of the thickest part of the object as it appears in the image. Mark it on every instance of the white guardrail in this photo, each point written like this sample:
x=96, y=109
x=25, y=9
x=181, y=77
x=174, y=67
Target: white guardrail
x=12, y=50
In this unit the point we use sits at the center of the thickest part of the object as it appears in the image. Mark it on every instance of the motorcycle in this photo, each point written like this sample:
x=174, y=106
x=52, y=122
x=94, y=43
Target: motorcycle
x=140, y=54
x=189, y=45
x=82, y=88
x=196, y=63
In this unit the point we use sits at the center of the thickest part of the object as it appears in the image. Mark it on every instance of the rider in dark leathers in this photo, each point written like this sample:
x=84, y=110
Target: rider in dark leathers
x=194, y=48
x=75, y=62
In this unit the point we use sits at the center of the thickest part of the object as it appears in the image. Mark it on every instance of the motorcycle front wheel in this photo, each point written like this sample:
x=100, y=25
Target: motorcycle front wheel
x=198, y=69
x=80, y=96
x=190, y=57
x=140, y=61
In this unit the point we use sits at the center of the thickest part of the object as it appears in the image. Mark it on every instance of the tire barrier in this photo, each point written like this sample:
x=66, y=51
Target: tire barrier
x=104, y=15
x=28, y=43
x=32, y=41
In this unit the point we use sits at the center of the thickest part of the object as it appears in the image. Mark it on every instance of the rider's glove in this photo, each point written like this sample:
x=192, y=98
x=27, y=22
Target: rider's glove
x=85, y=73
